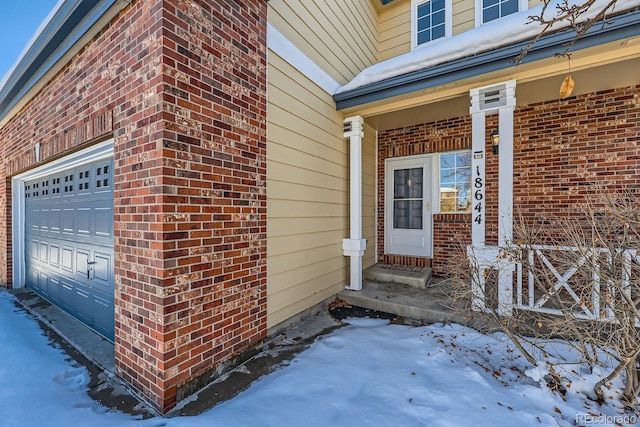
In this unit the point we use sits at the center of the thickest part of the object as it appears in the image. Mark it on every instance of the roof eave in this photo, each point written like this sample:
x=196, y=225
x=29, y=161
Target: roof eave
x=70, y=22
x=623, y=26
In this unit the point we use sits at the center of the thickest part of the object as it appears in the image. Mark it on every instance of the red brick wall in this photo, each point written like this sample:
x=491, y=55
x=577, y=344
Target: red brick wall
x=181, y=86
x=562, y=151
x=201, y=298
x=450, y=236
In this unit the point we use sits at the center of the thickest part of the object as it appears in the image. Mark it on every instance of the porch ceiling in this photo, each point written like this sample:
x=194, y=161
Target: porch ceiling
x=603, y=67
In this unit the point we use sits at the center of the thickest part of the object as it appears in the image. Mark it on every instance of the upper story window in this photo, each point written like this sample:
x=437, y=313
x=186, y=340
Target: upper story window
x=430, y=21
x=490, y=10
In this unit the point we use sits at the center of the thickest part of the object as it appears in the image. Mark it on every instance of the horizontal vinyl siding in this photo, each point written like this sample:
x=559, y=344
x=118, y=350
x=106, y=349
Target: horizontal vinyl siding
x=307, y=194
x=395, y=30
x=340, y=37
x=464, y=18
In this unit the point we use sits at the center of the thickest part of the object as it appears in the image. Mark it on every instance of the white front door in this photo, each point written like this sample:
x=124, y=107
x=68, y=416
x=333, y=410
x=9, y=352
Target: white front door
x=408, y=229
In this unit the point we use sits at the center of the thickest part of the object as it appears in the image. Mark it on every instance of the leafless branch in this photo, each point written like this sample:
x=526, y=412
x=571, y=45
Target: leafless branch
x=566, y=12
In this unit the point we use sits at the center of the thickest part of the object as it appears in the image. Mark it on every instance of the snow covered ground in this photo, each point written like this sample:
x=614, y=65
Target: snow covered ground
x=366, y=373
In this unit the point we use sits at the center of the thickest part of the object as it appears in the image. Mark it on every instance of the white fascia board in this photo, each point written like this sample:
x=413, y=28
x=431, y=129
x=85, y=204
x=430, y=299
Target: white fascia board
x=282, y=47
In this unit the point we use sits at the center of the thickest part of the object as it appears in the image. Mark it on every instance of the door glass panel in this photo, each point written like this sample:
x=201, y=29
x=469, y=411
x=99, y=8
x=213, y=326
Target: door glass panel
x=407, y=198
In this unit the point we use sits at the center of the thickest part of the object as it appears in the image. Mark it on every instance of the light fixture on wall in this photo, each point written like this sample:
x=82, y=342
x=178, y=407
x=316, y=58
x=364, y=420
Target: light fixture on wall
x=495, y=141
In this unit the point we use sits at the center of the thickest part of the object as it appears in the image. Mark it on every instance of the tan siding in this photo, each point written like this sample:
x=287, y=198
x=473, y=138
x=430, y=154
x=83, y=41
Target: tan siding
x=308, y=194
x=395, y=30
x=534, y=3
x=464, y=18
x=340, y=37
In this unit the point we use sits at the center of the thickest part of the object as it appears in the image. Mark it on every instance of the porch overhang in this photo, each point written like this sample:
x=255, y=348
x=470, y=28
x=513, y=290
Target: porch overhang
x=621, y=27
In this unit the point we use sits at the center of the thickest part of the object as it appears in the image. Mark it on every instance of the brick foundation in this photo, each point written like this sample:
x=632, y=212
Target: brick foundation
x=181, y=87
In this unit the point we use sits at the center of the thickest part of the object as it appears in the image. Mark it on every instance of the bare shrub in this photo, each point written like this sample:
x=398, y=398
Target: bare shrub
x=576, y=278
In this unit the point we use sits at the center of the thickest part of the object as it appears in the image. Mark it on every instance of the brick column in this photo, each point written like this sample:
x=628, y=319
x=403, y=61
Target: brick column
x=191, y=195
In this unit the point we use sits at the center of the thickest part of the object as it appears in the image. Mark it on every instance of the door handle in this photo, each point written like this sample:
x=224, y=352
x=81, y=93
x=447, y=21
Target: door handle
x=89, y=268
x=428, y=206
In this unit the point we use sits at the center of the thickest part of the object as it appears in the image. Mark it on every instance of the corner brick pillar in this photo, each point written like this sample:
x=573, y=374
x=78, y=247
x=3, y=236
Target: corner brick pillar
x=190, y=199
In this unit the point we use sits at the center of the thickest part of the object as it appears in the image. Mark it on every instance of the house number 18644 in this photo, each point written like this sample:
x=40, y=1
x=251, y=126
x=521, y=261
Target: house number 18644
x=478, y=195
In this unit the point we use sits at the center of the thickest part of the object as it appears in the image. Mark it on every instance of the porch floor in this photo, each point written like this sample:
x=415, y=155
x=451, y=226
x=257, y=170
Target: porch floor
x=430, y=304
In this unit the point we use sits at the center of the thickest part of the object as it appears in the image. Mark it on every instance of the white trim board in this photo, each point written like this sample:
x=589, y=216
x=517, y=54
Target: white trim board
x=88, y=155
x=282, y=47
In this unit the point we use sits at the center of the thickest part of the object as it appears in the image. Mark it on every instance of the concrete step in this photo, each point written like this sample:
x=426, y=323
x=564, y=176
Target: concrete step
x=430, y=305
x=416, y=277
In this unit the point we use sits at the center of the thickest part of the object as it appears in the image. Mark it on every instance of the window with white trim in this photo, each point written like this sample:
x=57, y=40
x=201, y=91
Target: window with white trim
x=430, y=21
x=455, y=182
x=490, y=10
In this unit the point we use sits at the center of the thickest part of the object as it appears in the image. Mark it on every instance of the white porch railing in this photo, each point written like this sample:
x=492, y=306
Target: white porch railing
x=577, y=286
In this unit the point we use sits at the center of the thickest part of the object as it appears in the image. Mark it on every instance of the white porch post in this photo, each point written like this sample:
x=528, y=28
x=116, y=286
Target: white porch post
x=478, y=203
x=505, y=174
x=354, y=246
x=498, y=98
x=505, y=198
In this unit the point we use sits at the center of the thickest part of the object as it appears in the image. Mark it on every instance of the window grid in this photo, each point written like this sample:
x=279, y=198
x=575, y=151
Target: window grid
x=455, y=182
x=495, y=9
x=431, y=21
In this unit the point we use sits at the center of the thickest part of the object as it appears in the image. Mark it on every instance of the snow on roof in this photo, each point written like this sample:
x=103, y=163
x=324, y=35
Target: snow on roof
x=508, y=30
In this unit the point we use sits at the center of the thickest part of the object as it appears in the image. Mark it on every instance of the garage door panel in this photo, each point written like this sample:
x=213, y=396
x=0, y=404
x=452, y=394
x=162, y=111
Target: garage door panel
x=83, y=258
x=43, y=218
x=103, y=313
x=44, y=252
x=33, y=249
x=104, y=222
x=69, y=227
x=67, y=296
x=67, y=221
x=54, y=290
x=54, y=255
x=83, y=307
x=55, y=220
x=43, y=282
x=32, y=276
x=67, y=259
x=83, y=221
x=102, y=269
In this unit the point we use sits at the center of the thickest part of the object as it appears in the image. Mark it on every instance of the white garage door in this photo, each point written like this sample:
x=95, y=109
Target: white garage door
x=69, y=241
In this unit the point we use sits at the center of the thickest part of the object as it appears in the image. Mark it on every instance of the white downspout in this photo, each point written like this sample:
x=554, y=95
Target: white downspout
x=354, y=246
